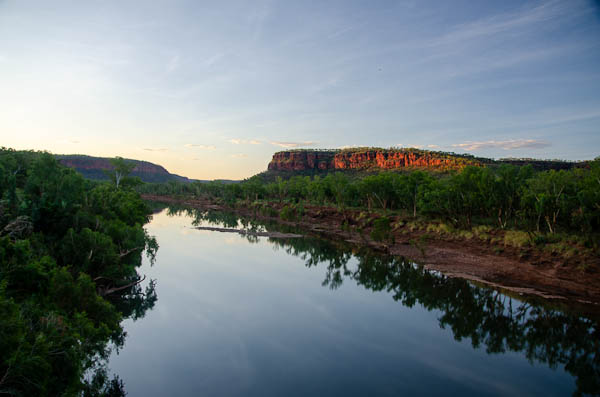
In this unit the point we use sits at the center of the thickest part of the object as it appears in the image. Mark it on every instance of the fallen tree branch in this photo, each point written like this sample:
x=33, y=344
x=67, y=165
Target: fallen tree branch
x=109, y=291
x=125, y=253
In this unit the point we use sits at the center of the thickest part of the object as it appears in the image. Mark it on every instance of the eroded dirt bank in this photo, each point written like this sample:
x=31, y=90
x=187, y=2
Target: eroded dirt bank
x=523, y=270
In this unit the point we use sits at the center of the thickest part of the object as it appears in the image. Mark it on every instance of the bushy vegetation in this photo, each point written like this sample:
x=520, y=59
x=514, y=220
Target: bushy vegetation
x=69, y=249
x=505, y=197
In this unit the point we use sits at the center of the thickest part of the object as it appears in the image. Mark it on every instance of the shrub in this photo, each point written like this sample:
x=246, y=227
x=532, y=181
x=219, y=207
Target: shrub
x=287, y=213
x=381, y=229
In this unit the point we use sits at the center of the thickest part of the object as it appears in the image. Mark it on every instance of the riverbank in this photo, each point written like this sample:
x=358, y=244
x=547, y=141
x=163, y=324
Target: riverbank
x=502, y=259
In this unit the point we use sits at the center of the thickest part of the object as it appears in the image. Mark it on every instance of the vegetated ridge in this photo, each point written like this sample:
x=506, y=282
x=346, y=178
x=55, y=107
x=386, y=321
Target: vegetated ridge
x=367, y=158
x=94, y=168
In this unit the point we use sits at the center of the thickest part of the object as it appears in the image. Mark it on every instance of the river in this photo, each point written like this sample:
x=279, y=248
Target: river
x=256, y=316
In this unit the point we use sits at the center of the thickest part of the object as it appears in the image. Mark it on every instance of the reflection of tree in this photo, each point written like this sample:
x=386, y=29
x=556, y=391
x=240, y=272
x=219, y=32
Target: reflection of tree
x=220, y=219
x=135, y=302
x=485, y=316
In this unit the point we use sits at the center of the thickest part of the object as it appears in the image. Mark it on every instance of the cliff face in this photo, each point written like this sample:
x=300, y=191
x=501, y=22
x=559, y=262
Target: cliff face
x=302, y=160
x=385, y=159
x=98, y=163
x=94, y=167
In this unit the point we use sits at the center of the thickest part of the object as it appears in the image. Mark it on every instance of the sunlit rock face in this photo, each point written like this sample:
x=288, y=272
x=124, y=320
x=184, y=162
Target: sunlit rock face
x=302, y=160
x=386, y=159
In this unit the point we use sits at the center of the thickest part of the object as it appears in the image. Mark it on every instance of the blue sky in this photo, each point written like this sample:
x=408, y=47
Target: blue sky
x=212, y=89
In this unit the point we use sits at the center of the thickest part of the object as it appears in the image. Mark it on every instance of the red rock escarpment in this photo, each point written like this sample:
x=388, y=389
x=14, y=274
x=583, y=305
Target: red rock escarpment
x=302, y=160
x=387, y=159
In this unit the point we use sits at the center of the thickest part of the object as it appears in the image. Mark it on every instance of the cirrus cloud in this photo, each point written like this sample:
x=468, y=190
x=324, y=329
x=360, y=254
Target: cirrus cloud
x=236, y=141
x=506, y=145
x=198, y=146
x=148, y=149
x=292, y=145
x=70, y=141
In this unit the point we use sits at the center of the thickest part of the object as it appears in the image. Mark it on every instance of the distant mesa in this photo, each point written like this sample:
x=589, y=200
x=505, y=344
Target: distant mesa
x=95, y=167
x=366, y=159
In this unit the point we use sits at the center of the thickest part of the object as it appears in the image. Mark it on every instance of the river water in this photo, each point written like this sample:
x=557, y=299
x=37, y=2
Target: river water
x=255, y=316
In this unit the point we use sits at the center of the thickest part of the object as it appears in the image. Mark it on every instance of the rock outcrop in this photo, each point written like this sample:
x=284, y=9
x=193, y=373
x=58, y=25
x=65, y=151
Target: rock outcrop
x=369, y=158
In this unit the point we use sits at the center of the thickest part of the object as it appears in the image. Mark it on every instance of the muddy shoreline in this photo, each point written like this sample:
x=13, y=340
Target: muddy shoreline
x=527, y=272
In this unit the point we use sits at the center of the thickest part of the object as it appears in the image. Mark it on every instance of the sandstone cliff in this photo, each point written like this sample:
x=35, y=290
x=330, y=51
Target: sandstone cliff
x=368, y=158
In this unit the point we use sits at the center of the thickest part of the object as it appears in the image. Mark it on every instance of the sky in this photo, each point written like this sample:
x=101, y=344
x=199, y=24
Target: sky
x=211, y=89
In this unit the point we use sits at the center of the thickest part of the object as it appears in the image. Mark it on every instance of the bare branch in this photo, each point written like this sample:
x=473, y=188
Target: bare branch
x=117, y=289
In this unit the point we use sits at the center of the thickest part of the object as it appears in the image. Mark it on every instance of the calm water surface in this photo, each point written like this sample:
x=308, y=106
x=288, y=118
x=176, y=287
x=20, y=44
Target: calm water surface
x=240, y=316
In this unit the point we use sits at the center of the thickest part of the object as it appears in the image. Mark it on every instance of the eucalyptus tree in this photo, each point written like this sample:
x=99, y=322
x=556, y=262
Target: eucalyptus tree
x=121, y=169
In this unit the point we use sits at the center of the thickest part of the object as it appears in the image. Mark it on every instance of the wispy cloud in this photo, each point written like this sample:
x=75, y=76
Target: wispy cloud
x=325, y=84
x=71, y=141
x=244, y=141
x=506, y=145
x=257, y=19
x=292, y=145
x=507, y=22
x=173, y=64
x=199, y=146
x=210, y=61
x=418, y=146
x=155, y=149
x=239, y=155
x=408, y=145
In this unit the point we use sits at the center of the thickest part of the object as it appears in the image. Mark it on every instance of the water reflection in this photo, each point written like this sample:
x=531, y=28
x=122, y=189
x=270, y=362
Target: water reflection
x=488, y=318
x=132, y=303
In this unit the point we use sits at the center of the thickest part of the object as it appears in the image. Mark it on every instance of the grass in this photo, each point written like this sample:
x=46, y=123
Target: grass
x=482, y=232
x=516, y=238
x=440, y=228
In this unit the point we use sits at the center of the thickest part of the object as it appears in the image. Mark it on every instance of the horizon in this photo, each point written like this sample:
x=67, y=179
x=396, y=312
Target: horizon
x=333, y=150
x=213, y=91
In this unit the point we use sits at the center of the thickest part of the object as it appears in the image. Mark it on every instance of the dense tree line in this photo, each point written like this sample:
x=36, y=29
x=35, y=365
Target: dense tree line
x=505, y=197
x=69, y=250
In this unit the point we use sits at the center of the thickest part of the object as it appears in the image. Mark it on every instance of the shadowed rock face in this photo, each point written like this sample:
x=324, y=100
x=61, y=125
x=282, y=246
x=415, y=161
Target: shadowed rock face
x=94, y=167
x=363, y=159
x=95, y=163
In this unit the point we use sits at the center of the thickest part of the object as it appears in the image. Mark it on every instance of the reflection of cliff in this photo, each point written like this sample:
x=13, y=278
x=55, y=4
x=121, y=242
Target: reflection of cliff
x=485, y=316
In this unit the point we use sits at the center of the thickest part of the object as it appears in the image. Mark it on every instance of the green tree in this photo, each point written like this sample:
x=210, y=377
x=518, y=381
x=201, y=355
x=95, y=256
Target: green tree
x=549, y=196
x=413, y=188
x=121, y=169
x=507, y=191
